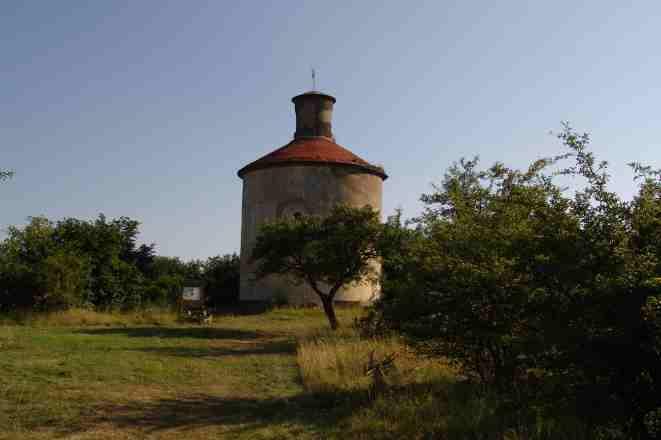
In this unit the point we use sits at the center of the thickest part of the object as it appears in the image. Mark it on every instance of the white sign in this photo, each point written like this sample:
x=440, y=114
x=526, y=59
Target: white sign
x=192, y=294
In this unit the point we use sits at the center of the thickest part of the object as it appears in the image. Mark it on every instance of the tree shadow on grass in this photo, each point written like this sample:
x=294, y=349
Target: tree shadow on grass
x=318, y=411
x=240, y=348
x=243, y=309
x=178, y=332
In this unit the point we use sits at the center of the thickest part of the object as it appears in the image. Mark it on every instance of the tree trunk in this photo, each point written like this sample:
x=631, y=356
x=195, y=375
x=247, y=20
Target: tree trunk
x=329, y=309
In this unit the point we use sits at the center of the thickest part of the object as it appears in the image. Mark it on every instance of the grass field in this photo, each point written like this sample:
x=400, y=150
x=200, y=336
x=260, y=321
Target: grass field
x=93, y=376
x=277, y=374
x=237, y=377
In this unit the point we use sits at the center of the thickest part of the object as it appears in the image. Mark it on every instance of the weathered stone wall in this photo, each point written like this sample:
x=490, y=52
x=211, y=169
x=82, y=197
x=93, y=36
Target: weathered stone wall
x=314, y=113
x=274, y=192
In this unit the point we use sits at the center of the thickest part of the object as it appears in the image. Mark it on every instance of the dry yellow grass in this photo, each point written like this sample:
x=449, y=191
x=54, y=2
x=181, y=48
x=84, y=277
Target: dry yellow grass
x=420, y=398
x=337, y=362
x=85, y=375
x=8, y=337
x=86, y=317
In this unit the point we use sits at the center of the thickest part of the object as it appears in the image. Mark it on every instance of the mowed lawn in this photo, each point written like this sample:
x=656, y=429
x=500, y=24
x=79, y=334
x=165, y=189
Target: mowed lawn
x=235, y=378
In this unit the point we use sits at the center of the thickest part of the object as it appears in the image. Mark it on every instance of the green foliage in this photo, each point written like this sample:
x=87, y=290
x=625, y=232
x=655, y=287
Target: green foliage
x=218, y=274
x=118, y=267
x=542, y=296
x=22, y=257
x=48, y=265
x=167, y=275
x=65, y=278
x=4, y=175
x=326, y=253
x=221, y=278
x=70, y=263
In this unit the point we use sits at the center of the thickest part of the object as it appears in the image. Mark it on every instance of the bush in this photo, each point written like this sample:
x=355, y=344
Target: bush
x=64, y=279
x=423, y=397
x=550, y=301
x=47, y=266
x=221, y=278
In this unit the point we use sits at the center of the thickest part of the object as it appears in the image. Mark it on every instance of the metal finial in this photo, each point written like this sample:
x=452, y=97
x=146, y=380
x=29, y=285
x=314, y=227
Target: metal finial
x=314, y=79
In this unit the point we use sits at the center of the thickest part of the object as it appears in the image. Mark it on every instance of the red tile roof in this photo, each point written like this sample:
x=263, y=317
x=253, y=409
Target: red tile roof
x=312, y=150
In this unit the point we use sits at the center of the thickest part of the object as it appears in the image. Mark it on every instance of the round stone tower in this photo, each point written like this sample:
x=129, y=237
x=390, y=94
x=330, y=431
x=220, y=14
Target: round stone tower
x=309, y=175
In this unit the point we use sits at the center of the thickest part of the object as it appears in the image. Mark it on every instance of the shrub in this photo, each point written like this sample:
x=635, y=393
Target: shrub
x=549, y=300
x=221, y=278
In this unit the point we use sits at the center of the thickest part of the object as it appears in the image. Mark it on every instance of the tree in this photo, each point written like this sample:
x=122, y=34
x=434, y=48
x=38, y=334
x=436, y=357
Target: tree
x=48, y=265
x=325, y=253
x=63, y=280
x=539, y=294
x=22, y=257
x=468, y=291
x=614, y=350
x=167, y=276
x=5, y=175
x=221, y=279
x=117, y=280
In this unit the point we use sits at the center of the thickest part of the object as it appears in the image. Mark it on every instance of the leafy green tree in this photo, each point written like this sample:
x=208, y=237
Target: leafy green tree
x=399, y=248
x=162, y=265
x=35, y=273
x=468, y=291
x=167, y=276
x=116, y=282
x=5, y=175
x=72, y=262
x=63, y=281
x=221, y=278
x=219, y=274
x=21, y=256
x=536, y=293
x=325, y=253
x=613, y=345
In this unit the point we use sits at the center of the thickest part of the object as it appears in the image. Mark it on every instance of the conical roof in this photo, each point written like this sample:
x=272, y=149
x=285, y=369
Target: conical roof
x=312, y=151
x=313, y=142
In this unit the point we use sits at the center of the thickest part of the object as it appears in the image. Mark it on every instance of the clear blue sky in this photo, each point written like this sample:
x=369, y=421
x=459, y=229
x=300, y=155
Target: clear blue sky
x=148, y=108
